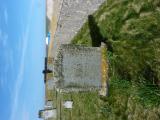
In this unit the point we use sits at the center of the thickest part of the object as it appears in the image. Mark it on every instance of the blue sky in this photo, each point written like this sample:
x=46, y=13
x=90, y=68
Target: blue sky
x=22, y=40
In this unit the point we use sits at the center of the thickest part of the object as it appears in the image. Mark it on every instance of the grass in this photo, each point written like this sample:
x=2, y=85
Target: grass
x=126, y=100
x=85, y=107
x=131, y=30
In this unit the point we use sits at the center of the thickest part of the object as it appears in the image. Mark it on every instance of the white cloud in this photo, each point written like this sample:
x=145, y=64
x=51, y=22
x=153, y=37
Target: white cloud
x=3, y=20
x=3, y=38
x=19, y=80
x=6, y=15
x=1, y=82
x=20, y=76
x=5, y=71
x=3, y=15
x=3, y=44
x=25, y=113
x=8, y=56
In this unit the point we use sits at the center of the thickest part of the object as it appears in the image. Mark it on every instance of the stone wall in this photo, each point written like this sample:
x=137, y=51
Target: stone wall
x=78, y=67
x=73, y=14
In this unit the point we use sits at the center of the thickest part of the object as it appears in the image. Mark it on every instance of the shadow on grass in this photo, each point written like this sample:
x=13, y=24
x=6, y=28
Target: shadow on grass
x=96, y=35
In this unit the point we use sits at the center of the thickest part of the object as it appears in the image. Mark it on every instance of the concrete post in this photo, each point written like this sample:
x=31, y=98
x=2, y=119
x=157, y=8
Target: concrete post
x=104, y=71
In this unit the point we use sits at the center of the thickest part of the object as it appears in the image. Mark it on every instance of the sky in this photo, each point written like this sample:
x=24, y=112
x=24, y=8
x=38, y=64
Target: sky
x=22, y=51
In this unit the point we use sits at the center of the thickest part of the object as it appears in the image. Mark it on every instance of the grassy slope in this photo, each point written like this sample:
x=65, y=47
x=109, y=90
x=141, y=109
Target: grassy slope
x=132, y=30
